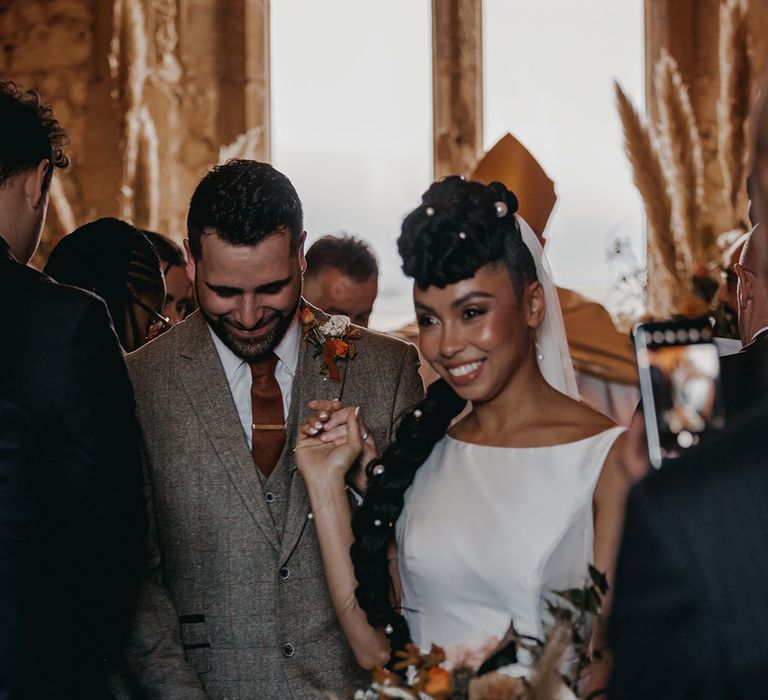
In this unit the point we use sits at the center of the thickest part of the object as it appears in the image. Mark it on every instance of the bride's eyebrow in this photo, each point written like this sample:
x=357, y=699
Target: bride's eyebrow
x=423, y=307
x=470, y=297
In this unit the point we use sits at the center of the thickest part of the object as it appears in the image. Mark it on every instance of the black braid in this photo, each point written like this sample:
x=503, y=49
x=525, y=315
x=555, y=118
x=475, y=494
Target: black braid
x=459, y=227
x=414, y=440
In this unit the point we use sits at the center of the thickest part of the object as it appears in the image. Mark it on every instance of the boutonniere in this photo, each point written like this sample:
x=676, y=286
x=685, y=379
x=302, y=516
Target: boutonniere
x=333, y=339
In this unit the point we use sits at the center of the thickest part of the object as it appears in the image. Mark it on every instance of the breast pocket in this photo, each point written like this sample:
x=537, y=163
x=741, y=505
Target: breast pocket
x=197, y=647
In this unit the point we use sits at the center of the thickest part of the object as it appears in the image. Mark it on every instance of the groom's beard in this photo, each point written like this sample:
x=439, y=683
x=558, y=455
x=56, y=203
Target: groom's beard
x=252, y=349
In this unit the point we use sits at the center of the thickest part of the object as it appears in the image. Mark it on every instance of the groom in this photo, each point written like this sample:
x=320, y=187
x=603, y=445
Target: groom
x=235, y=603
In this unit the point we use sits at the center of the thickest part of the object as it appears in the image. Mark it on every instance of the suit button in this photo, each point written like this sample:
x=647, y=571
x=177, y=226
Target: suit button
x=288, y=650
x=285, y=572
x=270, y=497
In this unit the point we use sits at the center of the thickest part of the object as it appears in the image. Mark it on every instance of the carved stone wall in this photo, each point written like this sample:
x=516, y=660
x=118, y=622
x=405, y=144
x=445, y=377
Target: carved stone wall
x=149, y=92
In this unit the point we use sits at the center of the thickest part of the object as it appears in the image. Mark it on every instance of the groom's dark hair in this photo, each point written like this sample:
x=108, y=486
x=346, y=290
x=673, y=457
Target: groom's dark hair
x=243, y=202
x=460, y=226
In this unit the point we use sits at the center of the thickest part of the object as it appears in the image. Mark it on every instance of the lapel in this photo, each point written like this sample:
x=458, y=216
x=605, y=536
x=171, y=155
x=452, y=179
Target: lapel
x=309, y=383
x=206, y=386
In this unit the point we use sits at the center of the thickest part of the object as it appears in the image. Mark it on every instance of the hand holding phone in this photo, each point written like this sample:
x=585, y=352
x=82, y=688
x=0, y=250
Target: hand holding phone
x=679, y=383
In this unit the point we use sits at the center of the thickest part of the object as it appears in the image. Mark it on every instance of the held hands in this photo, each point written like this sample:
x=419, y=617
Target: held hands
x=334, y=443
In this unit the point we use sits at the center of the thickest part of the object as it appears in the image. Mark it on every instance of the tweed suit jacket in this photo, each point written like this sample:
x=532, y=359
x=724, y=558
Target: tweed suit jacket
x=235, y=607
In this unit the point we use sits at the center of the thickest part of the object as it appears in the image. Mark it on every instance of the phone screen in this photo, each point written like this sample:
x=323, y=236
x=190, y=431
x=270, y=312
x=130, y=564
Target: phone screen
x=680, y=386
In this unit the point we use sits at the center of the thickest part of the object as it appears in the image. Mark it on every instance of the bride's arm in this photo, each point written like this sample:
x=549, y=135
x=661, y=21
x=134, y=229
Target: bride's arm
x=324, y=466
x=608, y=504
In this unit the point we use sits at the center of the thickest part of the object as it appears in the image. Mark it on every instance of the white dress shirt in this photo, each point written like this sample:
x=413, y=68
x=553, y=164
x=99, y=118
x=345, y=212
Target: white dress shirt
x=758, y=332
x=238, y=374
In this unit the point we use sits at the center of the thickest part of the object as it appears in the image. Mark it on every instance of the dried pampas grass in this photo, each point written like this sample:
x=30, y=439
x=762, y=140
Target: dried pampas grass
x=733, y=105
x=650, y=181
x=682, y=161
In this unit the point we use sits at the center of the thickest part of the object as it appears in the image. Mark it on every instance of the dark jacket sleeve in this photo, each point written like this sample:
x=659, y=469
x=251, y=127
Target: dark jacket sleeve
x=15, y=516
x=95, y=457
x=662, y=645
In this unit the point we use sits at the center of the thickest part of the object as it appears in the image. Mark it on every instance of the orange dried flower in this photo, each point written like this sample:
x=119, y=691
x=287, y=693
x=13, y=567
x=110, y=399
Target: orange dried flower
x=438, y=683
x=340, y=347
x=306, y=317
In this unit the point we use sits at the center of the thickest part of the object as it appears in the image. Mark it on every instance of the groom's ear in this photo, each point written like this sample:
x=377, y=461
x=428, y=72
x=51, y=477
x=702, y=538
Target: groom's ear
x=534, y=298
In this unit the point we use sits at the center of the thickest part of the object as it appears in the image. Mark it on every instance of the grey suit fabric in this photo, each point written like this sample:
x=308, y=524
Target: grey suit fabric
x=235, y=604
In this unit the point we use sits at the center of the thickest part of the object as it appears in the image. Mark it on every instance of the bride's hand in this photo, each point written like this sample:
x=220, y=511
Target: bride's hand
x=329, y=422
x=322, y=455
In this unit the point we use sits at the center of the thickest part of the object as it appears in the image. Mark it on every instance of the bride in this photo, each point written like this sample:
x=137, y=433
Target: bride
x=469, y=525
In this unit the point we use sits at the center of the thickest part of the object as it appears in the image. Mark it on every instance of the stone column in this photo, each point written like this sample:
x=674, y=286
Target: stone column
x=457, y=85
x=192, y=76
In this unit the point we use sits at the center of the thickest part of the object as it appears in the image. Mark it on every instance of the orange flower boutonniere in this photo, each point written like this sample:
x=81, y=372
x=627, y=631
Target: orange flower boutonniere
x=333, y=339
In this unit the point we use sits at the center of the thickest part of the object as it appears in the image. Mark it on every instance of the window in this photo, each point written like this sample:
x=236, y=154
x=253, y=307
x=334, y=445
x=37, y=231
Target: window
x=352, y=123
x=549, y=70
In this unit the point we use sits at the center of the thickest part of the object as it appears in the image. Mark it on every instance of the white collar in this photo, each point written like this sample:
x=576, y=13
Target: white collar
x=756, y=333
x=287, y=350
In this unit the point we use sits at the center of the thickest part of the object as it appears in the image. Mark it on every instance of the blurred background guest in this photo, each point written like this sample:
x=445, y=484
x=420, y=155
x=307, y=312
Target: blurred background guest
x=114, y=260
x=745, y=373
x=342, y=277
x=725, y=296
x=63, y=367
x=179, y=297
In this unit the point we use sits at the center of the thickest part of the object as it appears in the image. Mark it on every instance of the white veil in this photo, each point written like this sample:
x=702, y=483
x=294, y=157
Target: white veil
x=554, y=358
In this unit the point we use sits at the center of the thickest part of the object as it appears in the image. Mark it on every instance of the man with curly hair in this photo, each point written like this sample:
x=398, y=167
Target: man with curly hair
x=63, y=369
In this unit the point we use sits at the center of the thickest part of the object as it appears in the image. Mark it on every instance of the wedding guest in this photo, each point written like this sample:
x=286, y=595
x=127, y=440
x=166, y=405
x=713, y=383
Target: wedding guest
x=236, y=603
x=689, y=600
x=63, y=367
x=487, y=515
x=745, y=373
x=179, y=297
x=728, y=324
x=115, y=261
x=342, y=277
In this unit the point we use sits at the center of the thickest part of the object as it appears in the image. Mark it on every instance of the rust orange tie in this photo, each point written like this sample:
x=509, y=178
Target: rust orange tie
x=268, y=419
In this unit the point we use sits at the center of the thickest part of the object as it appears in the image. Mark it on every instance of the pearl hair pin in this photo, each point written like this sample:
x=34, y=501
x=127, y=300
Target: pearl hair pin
x=429, y=211
x=388, y=629
x=501, y=209
x=417, y=414
x=377, y=523
x=462, y=235
x=378, y=470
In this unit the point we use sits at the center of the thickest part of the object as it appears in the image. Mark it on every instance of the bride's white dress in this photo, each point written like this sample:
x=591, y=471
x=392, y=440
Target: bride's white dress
x=488, y=532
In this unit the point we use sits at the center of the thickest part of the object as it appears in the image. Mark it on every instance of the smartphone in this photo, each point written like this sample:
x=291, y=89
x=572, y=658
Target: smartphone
x=679, y=385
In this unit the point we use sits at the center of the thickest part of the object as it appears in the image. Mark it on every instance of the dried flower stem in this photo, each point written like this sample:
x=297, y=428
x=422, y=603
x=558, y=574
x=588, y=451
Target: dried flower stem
x=682, y=161
x=650, y=181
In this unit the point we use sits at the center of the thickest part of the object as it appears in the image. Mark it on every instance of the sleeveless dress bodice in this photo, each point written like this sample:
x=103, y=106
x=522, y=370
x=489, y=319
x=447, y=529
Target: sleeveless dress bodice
x=487, y=533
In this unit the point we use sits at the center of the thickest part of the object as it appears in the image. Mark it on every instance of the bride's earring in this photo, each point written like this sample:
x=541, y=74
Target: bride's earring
x=539, y=355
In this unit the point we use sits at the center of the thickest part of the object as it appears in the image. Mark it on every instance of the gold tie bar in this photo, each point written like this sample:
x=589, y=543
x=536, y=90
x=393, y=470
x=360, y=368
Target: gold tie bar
x=267, y=426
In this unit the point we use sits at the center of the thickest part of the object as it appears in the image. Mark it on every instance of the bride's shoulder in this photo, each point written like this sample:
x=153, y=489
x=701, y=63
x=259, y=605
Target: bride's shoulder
x=584, y=420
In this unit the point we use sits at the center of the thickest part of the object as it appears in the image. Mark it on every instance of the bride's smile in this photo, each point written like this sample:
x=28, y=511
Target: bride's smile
x=477, y=333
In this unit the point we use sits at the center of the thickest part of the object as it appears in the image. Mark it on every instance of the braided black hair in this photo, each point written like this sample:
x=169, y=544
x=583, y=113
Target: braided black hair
x=460, y=226
x=112, y=259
